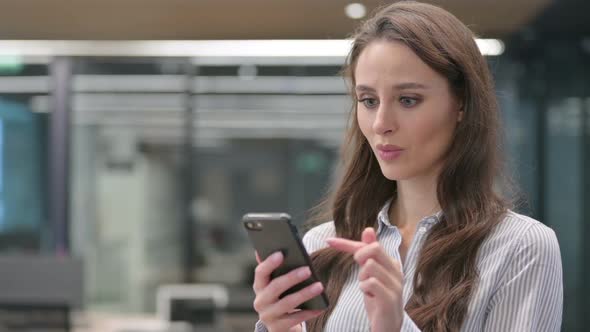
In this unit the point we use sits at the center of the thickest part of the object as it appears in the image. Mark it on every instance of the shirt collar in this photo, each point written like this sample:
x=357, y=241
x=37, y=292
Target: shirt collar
x=383, y=218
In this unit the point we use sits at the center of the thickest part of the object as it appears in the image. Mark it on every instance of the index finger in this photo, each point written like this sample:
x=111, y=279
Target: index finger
x=345, y=245
x=369, y=235
x=264, y=269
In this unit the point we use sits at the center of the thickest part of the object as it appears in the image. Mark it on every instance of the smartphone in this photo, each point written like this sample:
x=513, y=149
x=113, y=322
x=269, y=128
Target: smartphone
x=272, y=232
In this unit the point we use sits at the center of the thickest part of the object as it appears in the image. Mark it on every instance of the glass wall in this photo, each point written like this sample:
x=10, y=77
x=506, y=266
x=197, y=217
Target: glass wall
x=567, y=90
x=545, y=95
x=23, y=158
x=167, y=155
x=126, y=160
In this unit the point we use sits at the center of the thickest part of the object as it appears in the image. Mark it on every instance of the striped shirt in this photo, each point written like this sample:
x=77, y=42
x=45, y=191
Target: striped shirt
x=520, y=286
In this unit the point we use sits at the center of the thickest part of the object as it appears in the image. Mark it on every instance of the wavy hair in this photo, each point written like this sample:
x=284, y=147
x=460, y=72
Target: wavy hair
x=446, y=272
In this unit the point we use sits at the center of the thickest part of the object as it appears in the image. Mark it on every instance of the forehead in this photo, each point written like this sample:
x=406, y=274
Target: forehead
x=393, y=62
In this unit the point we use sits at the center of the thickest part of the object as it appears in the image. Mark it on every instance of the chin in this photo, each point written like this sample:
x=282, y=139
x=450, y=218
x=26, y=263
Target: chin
x=393, y=174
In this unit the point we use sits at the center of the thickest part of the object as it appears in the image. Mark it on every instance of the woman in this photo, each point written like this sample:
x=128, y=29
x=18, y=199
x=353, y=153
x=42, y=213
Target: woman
x=420, y=240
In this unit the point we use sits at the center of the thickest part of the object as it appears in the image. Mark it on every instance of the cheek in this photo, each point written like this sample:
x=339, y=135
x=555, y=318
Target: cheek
x=433, y=137
x=364, y=123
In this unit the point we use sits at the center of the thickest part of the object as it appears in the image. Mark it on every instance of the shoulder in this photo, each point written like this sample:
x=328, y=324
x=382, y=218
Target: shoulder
x=527, y=230
x=527, y=239
x=315, y=238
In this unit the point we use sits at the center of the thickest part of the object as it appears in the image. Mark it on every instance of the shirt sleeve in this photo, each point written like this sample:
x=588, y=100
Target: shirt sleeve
x=259, y=327
x=530, y=296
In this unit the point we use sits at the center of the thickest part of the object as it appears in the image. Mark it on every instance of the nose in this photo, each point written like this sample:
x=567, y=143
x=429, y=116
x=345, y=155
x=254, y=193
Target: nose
x=385, y=120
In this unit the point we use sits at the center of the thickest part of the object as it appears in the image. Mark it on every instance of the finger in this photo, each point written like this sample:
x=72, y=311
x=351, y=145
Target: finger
x=372, y=250
x=397, y=266
x=258, y=260
x=264, y=269
x=369, y=235
x=372, y=287
x=345, y=245
x=279, y=285
x=376, y=252
x=372, y=269
x=298, y=317
x=292, y=301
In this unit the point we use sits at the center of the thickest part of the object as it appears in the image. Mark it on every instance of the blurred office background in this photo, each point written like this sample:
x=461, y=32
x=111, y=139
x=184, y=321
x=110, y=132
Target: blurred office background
x=130, y=163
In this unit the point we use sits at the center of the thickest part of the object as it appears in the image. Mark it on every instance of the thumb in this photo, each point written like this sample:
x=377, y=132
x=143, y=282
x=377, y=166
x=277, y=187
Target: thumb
x=369, y=235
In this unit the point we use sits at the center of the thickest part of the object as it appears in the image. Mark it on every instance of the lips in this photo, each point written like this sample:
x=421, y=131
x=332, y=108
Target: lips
x=388, y=152
x=388, y=147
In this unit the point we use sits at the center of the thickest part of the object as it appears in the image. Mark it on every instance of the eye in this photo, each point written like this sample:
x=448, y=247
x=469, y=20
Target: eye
x=369, y=102
x=408, y=101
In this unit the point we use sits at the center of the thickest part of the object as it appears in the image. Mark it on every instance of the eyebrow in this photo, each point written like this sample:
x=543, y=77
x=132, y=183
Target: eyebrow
x=400, y=86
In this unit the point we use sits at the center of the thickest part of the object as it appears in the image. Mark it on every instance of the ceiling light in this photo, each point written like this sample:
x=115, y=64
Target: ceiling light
x=490, y=47
x=197, y=48
x=165, y=48
x=355, y=10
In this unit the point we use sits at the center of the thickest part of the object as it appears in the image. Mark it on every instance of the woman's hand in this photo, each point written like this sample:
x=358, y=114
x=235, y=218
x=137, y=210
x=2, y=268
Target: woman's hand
x=279, y=315
x=381, y=280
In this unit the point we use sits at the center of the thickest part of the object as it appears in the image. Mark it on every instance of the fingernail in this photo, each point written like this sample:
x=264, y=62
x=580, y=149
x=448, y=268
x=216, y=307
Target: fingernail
x=317, y=287
x=276, y=257
x=303, y=272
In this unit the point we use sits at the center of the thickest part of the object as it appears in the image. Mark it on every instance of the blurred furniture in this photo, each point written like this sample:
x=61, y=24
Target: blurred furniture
x=38, y=292
x=19, y=240
x=200, y=305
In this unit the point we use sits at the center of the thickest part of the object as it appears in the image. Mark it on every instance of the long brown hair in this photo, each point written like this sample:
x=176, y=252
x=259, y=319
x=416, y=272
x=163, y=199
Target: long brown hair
x=446, y=272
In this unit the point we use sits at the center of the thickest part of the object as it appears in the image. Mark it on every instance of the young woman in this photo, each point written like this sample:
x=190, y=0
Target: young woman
x=420, y=239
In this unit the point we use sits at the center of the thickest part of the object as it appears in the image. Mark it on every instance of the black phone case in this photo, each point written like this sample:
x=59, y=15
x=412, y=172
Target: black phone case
x=277, y=233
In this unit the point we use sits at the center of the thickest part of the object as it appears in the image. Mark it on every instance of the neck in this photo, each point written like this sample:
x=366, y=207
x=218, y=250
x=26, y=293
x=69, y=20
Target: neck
x=416, y=198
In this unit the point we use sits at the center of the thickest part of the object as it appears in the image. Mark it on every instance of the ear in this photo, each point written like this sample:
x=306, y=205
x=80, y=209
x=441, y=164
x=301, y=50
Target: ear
x=460, y=115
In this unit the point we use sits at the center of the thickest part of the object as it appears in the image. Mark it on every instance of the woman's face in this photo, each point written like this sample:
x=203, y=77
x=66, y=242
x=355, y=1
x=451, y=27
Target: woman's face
x=406, y=110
